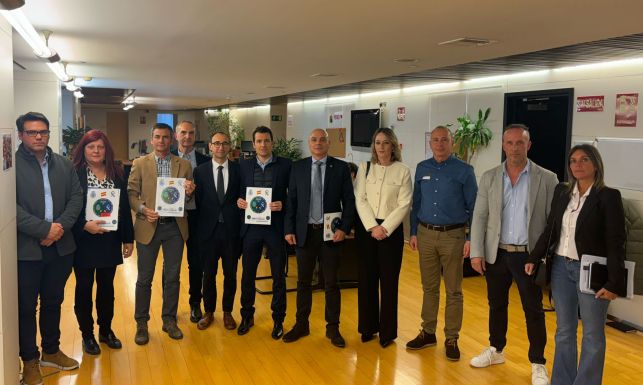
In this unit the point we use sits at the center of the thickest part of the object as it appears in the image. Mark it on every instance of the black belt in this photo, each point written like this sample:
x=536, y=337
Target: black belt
x=165, y=220
x=442, y=227
x=316, y=226
x=568, y=259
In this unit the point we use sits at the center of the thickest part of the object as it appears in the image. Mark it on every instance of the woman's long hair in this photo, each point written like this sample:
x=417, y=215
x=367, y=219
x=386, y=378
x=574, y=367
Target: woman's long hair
x=597, y=161
x=396, y=155
x=111, y=168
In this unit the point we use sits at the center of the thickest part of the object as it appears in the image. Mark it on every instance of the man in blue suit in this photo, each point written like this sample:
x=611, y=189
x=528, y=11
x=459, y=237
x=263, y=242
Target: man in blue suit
x=318, y=184
x=269, y=171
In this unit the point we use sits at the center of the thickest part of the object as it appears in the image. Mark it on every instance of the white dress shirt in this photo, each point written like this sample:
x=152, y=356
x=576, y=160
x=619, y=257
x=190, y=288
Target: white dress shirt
x=567, y=242
x=215, y=172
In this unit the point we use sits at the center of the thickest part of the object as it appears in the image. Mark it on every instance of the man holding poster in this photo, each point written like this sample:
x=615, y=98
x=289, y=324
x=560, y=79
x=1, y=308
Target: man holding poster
x=153, y=231
x=263, y=173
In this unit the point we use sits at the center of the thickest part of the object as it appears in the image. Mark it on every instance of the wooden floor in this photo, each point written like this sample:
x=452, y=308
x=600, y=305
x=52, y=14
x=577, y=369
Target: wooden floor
x=219, y=356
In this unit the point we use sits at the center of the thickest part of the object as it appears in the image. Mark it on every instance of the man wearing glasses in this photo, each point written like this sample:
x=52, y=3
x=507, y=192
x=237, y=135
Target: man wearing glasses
x=48, y=201
x=264, y=170
x=185, y=137
x=443, y=198
x=218, y=221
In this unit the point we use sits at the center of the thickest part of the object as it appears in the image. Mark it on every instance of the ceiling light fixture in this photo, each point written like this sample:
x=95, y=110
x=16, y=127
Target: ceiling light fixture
x=129, y=107
x=407, y=60
x=323, y=75
x=469, y=41
x=602, y=65
x=78, y=94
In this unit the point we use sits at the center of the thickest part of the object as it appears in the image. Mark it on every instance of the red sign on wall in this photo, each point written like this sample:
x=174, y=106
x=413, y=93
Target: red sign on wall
x=590, y=103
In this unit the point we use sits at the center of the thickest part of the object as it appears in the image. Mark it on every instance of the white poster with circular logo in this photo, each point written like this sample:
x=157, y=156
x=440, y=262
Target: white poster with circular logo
x=258, y=211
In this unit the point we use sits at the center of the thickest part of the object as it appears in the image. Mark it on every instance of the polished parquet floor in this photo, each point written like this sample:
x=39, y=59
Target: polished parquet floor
x=219, y=356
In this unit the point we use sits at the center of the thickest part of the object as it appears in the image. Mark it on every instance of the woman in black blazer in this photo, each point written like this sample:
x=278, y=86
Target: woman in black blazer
x=99, y=251
x=586, y=218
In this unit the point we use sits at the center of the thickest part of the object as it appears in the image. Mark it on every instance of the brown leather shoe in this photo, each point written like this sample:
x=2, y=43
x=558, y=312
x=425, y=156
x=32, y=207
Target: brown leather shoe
x=229, y=322
x=31, y=373
x=204, y=323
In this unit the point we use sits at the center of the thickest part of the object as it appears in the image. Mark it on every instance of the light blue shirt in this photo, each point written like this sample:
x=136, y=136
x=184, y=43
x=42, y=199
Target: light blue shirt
x=191, y=156
x=312, y=177
x=263, y=165
x=515, y=208
x=49, y=201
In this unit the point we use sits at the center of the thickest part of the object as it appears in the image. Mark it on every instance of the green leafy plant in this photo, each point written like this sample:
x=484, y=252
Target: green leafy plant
x=221, y=121
x=287, y=148
x=472, y=134
x=71, y=137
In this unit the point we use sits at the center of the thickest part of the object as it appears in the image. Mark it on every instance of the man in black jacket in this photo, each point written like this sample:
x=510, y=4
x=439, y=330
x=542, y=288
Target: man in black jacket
x=48, y=201
x=269, y=171
x=185, y=137
x=319, y=184
x=217, y=191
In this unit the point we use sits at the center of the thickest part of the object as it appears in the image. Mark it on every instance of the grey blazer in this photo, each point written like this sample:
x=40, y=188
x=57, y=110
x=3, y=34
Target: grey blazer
x=487, y=215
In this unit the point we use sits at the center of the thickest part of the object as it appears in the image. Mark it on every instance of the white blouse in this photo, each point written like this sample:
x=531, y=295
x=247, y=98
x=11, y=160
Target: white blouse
x=385, y=194
x=567, y=242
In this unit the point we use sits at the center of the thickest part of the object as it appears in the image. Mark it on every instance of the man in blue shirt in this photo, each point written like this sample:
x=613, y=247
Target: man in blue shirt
x=443, y=199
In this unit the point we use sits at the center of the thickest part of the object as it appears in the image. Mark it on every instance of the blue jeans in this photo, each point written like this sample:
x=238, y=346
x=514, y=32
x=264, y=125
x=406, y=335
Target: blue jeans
x=567, y=300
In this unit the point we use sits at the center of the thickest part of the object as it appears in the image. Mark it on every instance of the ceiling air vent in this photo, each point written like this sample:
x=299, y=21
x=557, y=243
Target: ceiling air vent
x=323, y=75
x=468, y=41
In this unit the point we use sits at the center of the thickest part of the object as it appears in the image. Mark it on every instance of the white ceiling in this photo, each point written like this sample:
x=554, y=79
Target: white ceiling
x=197, y=53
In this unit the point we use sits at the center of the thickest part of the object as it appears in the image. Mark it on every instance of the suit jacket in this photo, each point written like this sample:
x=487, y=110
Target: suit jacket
x=200, y=158
x=600, y=231
x=102, y=250
x=207, y=201
x=280, y=179
x=141, y=189
x=67, y=197
x=487, y=214
x=338, y=196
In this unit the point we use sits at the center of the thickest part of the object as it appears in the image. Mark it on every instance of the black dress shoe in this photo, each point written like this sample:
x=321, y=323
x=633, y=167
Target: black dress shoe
x=195, y=312
x=110, y=340
x=335, y=338
x=296, y=333
x=245, y=325
x=367, y=337
x=277, y=331
x=90, y=346
x=384, y=343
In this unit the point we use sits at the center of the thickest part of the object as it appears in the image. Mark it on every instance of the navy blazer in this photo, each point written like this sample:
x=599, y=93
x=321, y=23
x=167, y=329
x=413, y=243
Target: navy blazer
x=207, y=201
x=280, y=179
x=600, y=231
x=102, y=250
x=338, y=196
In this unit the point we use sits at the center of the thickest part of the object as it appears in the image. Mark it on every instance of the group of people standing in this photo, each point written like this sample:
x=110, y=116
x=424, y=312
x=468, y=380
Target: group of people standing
x=510, y=217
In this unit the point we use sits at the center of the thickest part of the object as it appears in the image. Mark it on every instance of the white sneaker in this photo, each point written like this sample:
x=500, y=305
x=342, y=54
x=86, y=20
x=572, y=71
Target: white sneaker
x=539, y=375
x=488, y=357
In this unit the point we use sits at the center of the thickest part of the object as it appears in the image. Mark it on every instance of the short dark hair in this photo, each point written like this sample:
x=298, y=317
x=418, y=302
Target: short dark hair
x=219, y=133
x=30, y=117
x=352, y=167
x=162, y=126
x=262, y=130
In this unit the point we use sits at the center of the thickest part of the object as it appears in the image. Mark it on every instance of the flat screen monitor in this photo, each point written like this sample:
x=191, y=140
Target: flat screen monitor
x=246, y=146
x=364, y=123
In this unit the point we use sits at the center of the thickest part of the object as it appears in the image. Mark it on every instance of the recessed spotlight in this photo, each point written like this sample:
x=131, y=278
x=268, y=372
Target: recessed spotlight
x=276, y=87
x=323, y=75
x=406, y=60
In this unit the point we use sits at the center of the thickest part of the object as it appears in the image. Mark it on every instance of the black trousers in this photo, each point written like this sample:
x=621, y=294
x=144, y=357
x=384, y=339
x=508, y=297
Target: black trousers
x=499, y=276
x=328, y=255
x=195, y=267
x=255, y=238
x=104, y=299
x=45, y=279
x=221, y=245
x=379, y=273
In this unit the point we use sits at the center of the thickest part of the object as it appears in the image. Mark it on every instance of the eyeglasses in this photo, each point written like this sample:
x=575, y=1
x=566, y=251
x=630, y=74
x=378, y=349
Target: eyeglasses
x=220, y=144
x=33, y=134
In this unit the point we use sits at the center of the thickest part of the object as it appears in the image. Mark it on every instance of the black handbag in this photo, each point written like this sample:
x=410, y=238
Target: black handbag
x=541, y=275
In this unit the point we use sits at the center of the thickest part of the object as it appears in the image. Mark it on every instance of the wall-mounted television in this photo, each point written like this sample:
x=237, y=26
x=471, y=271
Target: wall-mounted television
x=364, y=123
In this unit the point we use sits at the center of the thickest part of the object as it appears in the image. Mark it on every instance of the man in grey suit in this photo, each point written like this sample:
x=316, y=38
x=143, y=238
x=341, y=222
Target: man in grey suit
x=511, y=211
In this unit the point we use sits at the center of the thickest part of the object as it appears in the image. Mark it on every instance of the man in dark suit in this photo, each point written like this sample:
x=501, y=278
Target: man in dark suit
x=264, y=170
x=318, y=184
x=218, y=220
x=185, y=138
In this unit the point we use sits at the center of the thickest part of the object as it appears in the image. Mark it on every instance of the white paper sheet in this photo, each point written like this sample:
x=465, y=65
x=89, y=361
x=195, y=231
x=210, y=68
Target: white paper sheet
x=170, y=197
x=258, y=211
x=102, y=204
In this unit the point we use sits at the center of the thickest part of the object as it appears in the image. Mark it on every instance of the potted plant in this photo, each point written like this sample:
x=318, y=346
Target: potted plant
x=71, y=137
x=287, y=148
x=221, y=121
x=472, y=134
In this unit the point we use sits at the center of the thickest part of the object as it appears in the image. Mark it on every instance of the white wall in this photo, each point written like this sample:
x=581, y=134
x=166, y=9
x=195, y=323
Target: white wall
x=40, y=92
x=428, y=107
x=251, y=118
x=8, y=250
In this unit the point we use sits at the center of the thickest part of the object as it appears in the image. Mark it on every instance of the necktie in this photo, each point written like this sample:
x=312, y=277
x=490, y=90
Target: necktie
x=316, y=203
x=220, y=190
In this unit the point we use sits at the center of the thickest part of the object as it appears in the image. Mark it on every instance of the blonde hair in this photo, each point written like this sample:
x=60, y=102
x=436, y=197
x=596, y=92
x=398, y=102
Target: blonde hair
x=396, y=155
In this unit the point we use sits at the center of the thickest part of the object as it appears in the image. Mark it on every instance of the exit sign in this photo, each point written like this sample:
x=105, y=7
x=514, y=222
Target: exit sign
x=276, y=118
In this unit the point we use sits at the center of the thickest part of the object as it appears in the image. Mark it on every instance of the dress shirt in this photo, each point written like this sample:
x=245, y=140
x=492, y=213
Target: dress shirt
x=567, y=242
x=515, y=204
x=215, y=172
x=444, y=193
x=384, y=194
x=263, y=165
x=163, y=166
x=191, y=156
x=49, y=202
x=312, y=178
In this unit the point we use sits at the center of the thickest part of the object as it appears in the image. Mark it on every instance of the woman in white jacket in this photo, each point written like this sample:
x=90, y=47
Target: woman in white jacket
x=383, y=194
